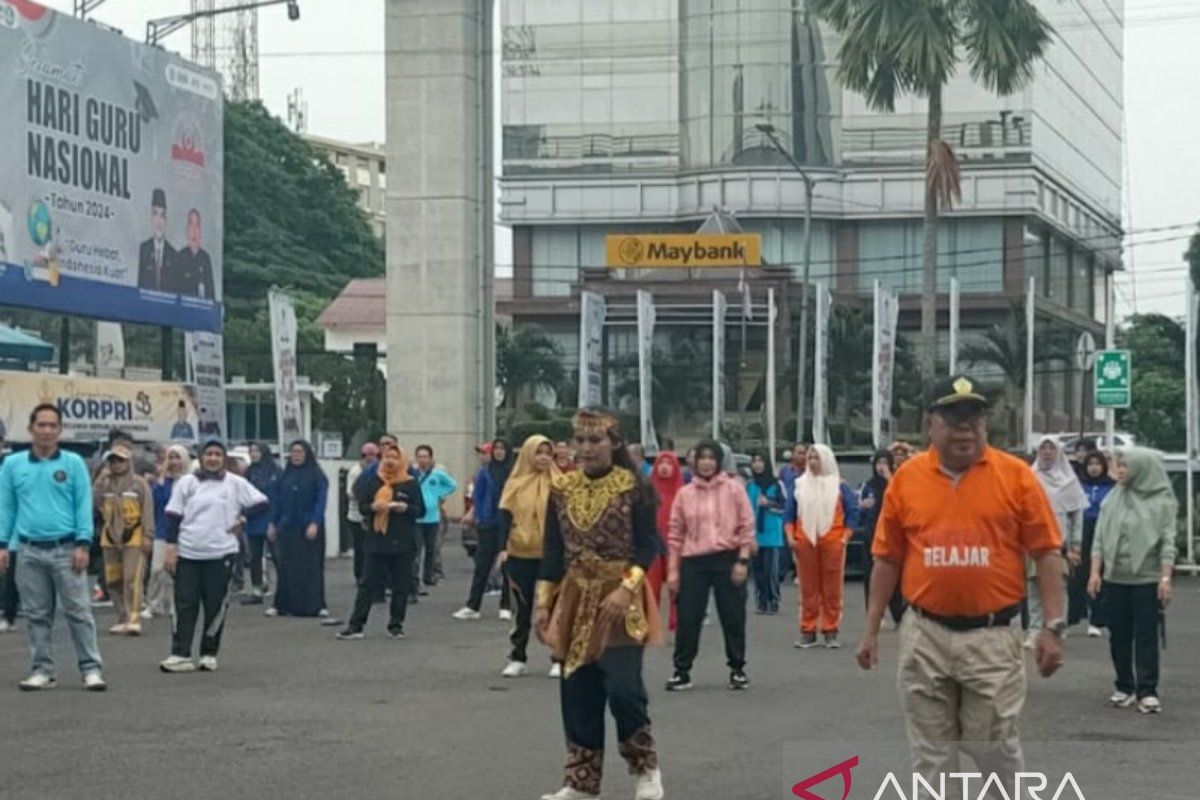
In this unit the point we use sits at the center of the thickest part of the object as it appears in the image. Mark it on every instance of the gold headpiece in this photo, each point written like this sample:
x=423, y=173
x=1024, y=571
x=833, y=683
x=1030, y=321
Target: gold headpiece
x=593, y=420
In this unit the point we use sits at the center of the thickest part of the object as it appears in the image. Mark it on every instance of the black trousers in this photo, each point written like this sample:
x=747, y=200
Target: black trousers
x=1079, y=605
x=9, y=599
x=522, y=582
x=358, y=535
x=616, y=681
x=258, y=550
x=378, y=570
x=200, y=586
x=698, y=576
x=1132, y=616
x=897, y=604
x=485, y=558
x=427, y=535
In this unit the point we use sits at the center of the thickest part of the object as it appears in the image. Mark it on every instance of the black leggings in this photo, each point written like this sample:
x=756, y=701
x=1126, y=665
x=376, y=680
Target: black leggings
x=200, y=585
x=9, y=600
x=380, y=570
x=1132, y=615
x=258, y=548
x=522, y=581
x=697, y=576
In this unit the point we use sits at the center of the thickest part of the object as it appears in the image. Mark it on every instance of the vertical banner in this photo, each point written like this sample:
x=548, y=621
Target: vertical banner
x=110, y=349
x=1189, y=370
x=592, y=310
x=883, y=362
x=645, y=331
x=954, y=317
x=718, y=364
x=283, y=349
x=205, y=355
x=1030, y=301
x=770, y=400
x=821, y=364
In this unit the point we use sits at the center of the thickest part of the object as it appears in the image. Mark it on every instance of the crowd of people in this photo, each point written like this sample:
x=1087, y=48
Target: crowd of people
x=966, y=544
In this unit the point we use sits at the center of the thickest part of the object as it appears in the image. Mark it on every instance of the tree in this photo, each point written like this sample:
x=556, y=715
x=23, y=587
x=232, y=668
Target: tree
x=527, y=360
x=1002, y=345
x=1156, y=345
x=682, y=381
x=894, y=47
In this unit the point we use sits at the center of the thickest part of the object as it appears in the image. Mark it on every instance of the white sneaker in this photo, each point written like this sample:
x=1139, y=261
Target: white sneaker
x=505, y=615
x=146, y=614
x=133, y=629
x=465, y=613
x=272, y=611
x=37, y=682
x=556, y=670
x=208, y=663
x=1149, y=705
x=649, y=785
x=177, y=664
x=567, y=793
x=120, y=629
x=1094, y=632
x=6, y=626
x=94, y=682
x=515, y=669
x=1121, y=700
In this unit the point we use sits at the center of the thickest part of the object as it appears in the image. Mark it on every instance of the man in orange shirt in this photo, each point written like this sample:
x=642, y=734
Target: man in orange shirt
x=957, y=521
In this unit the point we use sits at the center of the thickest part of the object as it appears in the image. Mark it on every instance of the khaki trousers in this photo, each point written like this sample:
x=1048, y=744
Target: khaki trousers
x=961, y=692
x=123, y=573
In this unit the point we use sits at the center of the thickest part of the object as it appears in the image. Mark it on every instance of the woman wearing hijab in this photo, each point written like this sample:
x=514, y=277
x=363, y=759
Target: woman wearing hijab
x=767, y=502
x=1069, y=502
x=522, y=528
x=667, y=480
x=1097, y=483
x=203, y=516
x=125, y=507
x=820, y=520
x=710, y=538
x=298, y=530
x=160, y=593
x=485, y=515
x=391, y=544
x=1133, y=556
x=883, y=466
x=263, y=474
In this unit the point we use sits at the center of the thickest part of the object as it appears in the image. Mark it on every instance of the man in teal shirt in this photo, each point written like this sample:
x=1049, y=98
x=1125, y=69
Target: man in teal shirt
x=436, y=486
x=46, y=513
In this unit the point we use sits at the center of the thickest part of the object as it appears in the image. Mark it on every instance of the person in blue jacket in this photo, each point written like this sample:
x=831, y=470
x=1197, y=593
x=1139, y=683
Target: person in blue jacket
x=263, y=473
x=436, y=486
x=1097, y=483
x=298, y=531
x=767, y=500
x=485, y=515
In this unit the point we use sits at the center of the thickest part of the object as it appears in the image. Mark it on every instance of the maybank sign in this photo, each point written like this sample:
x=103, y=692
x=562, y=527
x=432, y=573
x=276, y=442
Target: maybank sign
x=683, y=251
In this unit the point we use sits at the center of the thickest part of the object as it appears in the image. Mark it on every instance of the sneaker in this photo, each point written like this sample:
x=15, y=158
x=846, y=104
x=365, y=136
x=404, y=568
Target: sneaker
x=146, y=614
x=1149, y=705
x=738, y=680
x=831, y=641
x=350, y=634
x=1094, y=632
x=556, y=670
x=567, y=793
x=208, y=663
x=649, y=786
x=1121, y=699
x=761, y=609
x=505, y=615
x=133, y=629
x=37, y=682
x=679, y=682
x=176, y=664
x=94, y=682
x=323, y=613
x=120, y=629
x=396, y=632
x=514, y=669
x=466, y=613
x=271, y=612
x=806, y=641
x=6, y=626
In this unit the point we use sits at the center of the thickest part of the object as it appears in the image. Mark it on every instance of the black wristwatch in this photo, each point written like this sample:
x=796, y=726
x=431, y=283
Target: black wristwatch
x=745, y=562
x=1058, y=627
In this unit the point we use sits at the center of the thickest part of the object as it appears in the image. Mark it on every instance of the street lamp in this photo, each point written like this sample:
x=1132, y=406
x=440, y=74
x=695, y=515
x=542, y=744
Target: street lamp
x=159, y=29
x=769, y=130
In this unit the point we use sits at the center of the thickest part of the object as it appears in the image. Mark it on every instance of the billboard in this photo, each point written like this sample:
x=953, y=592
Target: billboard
x=110, y=174
x=682, y=251
x=91, y=407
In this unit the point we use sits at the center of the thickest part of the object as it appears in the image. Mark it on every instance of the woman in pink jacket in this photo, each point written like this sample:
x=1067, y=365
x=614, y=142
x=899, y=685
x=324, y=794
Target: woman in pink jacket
x=710, y=538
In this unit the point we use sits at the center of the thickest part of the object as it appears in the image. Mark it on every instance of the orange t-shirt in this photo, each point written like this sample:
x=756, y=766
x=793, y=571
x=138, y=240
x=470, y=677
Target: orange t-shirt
x=962, y=545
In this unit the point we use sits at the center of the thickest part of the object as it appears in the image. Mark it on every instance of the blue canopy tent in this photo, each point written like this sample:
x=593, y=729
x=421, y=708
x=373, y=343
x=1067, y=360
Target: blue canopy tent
x=16, y=346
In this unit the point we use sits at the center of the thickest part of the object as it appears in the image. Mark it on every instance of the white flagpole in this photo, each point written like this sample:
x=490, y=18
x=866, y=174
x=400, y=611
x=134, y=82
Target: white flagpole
x=820, y=370
x=770, y=400
x=1030, y=299
x=1110, y=342
x=954, y=314
x=645, y=330
x=876, y=399
x=1189, y=370
x=718, y=363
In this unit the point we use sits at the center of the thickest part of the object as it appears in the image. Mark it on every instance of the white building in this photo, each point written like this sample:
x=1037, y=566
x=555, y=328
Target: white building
x=365, y=168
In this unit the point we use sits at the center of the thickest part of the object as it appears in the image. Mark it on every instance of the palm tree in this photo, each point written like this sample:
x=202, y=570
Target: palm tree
x=527, y=360
x=893, y=47
x=1002, y=345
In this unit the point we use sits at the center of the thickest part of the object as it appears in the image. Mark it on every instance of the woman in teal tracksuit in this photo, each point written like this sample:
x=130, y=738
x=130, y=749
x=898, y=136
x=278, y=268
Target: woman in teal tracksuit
x=767, y=500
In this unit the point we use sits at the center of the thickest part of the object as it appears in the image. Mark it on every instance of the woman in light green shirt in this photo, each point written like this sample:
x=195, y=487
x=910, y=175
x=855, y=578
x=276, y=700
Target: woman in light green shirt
x=1133, y=556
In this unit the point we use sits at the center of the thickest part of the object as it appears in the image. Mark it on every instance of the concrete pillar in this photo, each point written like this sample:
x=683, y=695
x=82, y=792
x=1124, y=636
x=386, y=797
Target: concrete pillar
x=439, y=227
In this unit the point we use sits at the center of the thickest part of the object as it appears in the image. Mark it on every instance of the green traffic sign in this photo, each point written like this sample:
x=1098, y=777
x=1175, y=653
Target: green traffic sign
x=1112, y=379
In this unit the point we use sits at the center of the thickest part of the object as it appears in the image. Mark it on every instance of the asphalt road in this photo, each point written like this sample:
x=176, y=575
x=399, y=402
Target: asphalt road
x=293, y=713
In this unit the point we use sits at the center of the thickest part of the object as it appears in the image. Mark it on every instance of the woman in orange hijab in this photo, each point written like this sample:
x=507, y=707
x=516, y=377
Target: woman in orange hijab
x=667, y=479
x=391, y=543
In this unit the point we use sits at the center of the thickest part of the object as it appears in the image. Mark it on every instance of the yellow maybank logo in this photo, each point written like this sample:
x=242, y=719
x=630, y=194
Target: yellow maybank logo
x=683, y=251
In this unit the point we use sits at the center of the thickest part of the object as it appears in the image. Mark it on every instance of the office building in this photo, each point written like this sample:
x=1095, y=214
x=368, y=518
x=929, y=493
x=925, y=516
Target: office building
x=365, y=168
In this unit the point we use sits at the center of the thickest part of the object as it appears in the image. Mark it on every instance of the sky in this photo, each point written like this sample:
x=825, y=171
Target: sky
x=337, y=59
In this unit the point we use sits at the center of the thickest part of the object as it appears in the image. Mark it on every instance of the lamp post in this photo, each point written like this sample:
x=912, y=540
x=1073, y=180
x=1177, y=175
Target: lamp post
x=159, y=29
x=769, y=130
